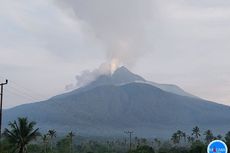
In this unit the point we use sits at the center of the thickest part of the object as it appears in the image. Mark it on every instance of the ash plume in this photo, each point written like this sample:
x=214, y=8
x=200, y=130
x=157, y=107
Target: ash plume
x=123, y=26
x=87, y=76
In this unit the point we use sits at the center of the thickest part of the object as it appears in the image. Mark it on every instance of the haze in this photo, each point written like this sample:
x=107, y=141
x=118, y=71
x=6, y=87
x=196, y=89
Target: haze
x=46, y=43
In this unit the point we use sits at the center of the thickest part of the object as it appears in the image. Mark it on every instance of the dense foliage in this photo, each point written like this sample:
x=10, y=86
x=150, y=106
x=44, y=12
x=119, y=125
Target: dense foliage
x=23, y=137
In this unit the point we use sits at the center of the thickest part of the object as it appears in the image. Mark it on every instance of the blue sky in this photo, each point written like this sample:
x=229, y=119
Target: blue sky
x=46, y=43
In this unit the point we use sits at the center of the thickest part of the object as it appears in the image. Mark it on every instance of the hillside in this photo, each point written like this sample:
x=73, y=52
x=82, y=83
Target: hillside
x=109, y=106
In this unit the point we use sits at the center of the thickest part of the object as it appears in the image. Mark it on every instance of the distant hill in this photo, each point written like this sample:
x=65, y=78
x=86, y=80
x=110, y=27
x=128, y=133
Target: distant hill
x=114, y=103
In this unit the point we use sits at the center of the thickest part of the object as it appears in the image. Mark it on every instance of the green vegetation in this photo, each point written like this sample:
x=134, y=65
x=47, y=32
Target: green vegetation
x=22, y=137
x=20, y=134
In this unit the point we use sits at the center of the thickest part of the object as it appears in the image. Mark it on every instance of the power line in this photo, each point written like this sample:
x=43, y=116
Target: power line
x=26, y=89
x=130, y=138
x=22, y=92
x=14, y=93
x=16, y=89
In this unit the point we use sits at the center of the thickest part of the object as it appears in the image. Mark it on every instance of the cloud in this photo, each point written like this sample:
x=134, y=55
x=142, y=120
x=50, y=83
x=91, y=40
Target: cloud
x=180, y=42
x=42, y=45
x=174, y=37
x=121, y=25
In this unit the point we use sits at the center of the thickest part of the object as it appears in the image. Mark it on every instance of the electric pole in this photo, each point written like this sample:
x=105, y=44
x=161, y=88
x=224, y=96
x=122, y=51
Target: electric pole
x=1, y=100
x=130, y=138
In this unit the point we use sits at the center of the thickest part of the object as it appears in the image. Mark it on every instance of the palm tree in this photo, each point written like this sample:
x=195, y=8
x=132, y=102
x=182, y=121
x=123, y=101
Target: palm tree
x=184, y=136
x=21, y=133
x=136, y=141
x=196, y=132
x=52, y=134
x=70, y=136
x=175, y=138
x=190, y=139
x=180, y=134
x=144, y=141
x=208, y=136
x=157, y=142
x=219, y=137
x=45, y=142
x=227, y=139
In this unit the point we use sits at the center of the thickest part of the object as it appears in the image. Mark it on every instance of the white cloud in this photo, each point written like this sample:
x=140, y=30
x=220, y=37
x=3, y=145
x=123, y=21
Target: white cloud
x=42, y=45
x=185, y=42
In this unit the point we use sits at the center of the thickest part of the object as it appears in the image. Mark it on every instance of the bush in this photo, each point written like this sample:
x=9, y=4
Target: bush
x=143, y=149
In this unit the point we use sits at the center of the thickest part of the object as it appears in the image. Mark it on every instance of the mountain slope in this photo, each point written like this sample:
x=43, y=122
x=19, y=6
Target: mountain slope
x=111, y=109
x=122, y=76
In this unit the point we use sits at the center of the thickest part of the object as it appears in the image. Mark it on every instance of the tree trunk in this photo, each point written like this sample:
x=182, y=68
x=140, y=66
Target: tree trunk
x=21, y=150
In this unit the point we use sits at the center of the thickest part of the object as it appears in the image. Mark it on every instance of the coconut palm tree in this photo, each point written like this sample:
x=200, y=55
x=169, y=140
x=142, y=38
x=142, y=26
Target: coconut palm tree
x=183, y=134
x=208, y=136
x=70, y=136
x=190, y=139
x=180, y=134
x=21, y=133
x=196, y=132
x=45, y=142
x=227, y=139
x=219, y=137
x=157, y=142
x=52, y=134
x=136, y=141
x=175, y=138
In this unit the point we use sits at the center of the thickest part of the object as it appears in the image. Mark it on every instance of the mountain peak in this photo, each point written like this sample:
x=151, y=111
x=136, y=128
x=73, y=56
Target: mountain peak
x=123, y=75
x=122, y=69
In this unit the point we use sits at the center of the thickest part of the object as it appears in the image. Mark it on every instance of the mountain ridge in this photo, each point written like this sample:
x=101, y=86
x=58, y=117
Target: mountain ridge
x=109, y=109
x=123, y=76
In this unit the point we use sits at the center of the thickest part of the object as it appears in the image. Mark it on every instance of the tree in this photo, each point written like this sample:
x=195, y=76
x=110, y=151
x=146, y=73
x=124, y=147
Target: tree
x=157, y=142
x=227, y=137
x=190, y=139
x=198, y=147
x=143, y=149
x=45, y=142
x=227, y=140
x=196, y=132
x=184, y=136
x=63, y=145
x=21, y=133
x=219, y=137
x=144, y=141
x=70, y=136
x=52, y=134
x=175, y=138
x=136, y=141
x=180, y=135
x=208, y=136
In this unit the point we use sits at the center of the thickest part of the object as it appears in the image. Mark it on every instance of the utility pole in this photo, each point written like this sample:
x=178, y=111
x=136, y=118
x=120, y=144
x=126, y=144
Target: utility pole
x=1, y=100
x=130, y=138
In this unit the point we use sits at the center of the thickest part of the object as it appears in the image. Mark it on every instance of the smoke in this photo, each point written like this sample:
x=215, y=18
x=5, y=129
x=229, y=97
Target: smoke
x=88, y=76
x=121, y=25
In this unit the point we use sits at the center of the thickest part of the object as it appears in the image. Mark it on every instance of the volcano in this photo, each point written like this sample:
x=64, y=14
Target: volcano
x=114, y=103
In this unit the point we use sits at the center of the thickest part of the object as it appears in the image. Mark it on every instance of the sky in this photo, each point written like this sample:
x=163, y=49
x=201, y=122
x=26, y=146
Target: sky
x=47, y=46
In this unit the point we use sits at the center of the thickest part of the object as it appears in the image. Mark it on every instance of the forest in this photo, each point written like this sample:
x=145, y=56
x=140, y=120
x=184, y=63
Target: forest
x=22, y=136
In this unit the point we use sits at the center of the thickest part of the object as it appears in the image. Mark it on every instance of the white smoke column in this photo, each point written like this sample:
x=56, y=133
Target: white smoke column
x=122, y=25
